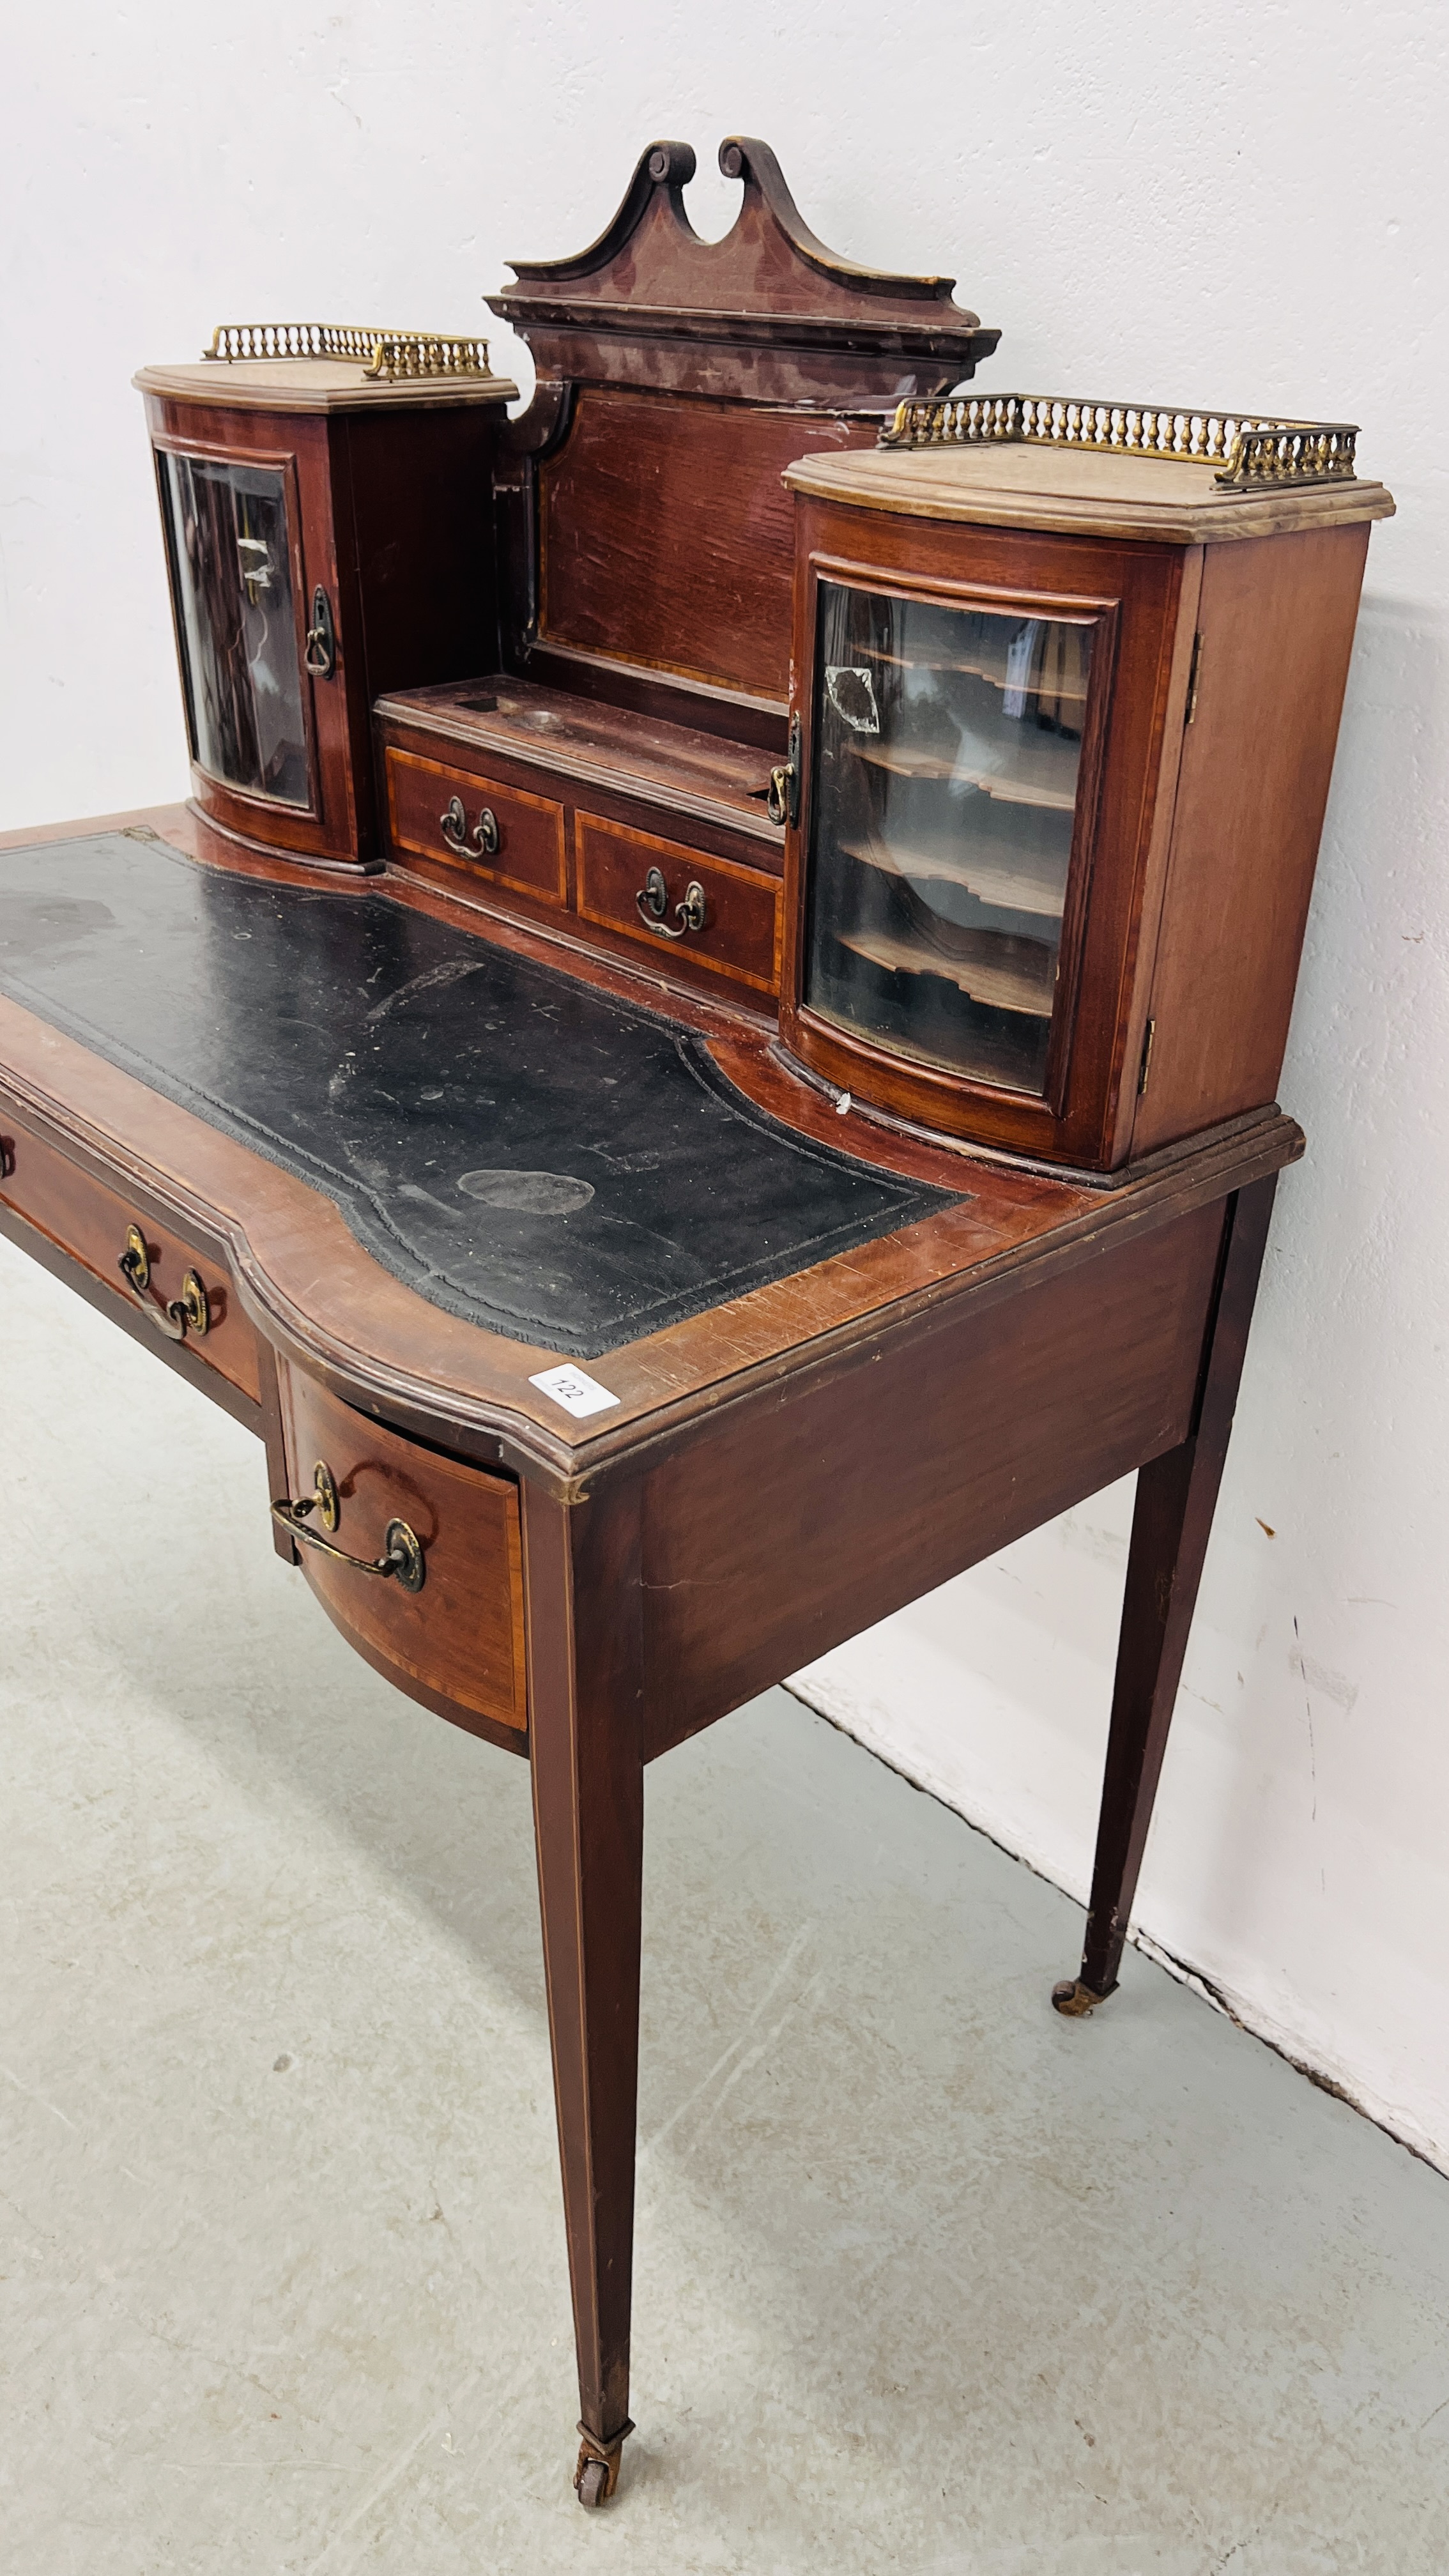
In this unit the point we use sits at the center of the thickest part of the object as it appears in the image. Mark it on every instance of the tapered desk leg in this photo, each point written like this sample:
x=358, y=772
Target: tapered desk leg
x=581, y=1565
x=1176, y=1495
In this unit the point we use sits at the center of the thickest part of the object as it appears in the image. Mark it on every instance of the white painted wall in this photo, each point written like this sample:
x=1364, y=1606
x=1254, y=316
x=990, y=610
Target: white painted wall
x=1234, y=205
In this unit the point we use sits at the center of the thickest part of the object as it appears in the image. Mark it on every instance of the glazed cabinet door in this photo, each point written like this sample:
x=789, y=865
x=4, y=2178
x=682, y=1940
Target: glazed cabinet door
x=951, y=796
x=983, y=724
x=246, y=510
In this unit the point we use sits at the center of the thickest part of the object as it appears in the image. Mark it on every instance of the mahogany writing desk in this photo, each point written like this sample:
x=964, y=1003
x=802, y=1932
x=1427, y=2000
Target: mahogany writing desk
x=790, y=1118
x=918, y=1355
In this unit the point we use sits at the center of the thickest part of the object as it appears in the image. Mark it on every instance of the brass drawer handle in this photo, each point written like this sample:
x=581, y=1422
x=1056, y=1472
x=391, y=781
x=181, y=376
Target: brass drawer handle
x=485, y=839
x=652, y=901
x=188, y=1313
x=402, y=1553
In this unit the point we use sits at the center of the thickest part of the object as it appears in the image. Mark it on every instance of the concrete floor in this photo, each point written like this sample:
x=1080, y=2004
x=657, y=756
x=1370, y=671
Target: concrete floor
x=928, y=2279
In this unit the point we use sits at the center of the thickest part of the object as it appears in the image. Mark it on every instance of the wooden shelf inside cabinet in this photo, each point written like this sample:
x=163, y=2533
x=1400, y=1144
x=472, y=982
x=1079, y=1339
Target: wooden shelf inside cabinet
x=965, y=669
x=1012, y=880
x=1007, y=786
x=981, y=967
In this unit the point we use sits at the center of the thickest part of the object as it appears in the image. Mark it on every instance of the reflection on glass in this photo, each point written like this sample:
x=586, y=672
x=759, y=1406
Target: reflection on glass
x=947, y=747
x=231, y=572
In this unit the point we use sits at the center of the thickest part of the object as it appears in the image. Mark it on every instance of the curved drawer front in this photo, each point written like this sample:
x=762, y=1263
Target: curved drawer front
x=690, y=909
x=460, y=1638
x=475, y=824
x=91, y=1221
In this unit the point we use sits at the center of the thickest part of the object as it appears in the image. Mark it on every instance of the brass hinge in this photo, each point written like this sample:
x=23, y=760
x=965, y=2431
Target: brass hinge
x=1145, y=1067
x=1192, y=677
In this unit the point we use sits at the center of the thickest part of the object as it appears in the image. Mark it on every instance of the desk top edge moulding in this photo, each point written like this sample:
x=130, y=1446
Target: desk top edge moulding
x=704, y=1053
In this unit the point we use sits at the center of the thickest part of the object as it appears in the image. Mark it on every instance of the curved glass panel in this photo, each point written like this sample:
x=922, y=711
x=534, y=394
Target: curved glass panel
x=231, y=576
x=947, y=749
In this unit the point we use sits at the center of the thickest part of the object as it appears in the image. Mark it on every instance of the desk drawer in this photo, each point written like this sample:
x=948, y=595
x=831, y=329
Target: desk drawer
x=739, y=933
x=459, y=1639
x=439, y=811
x=91, y=1221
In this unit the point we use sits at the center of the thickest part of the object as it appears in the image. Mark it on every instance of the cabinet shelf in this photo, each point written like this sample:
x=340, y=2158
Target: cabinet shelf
x=1006, y=787
x=1014, y=881
x=1006, y=984
x=971, y=667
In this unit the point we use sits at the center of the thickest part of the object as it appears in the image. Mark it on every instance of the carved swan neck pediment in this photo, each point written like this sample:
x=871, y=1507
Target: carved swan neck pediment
x=766, y=314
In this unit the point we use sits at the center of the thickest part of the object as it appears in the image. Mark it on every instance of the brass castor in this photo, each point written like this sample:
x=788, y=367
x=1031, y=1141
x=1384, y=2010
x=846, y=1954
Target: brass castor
x=1074, y=1999
x=597, y=2473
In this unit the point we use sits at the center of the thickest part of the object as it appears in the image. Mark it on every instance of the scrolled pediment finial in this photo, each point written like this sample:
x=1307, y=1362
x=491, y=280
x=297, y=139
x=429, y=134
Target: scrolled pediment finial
x=671, y=162
x=744, y=156
x=662, y=170
x=768, y=309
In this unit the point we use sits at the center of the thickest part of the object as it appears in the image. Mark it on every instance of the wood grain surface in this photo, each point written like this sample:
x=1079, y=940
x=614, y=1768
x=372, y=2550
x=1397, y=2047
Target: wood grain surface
x=1276, y=621
x=665, y=535
x=582, y=1571
x=874, y=1478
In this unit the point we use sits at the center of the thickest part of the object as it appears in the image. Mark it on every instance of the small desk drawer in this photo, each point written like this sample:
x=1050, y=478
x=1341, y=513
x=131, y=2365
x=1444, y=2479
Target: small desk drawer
x=459, y=1638
x=92, y=1222
x=439, y=811
x=631, y=882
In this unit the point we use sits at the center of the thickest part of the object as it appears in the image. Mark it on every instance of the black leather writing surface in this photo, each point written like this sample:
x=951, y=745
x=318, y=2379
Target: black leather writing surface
x=522, y=1149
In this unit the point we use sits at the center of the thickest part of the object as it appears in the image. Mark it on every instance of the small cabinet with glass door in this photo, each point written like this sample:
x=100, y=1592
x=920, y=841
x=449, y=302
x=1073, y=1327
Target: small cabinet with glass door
x=233, y=551
x=326, y=508
x=1066, y=720
x=949, y=784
